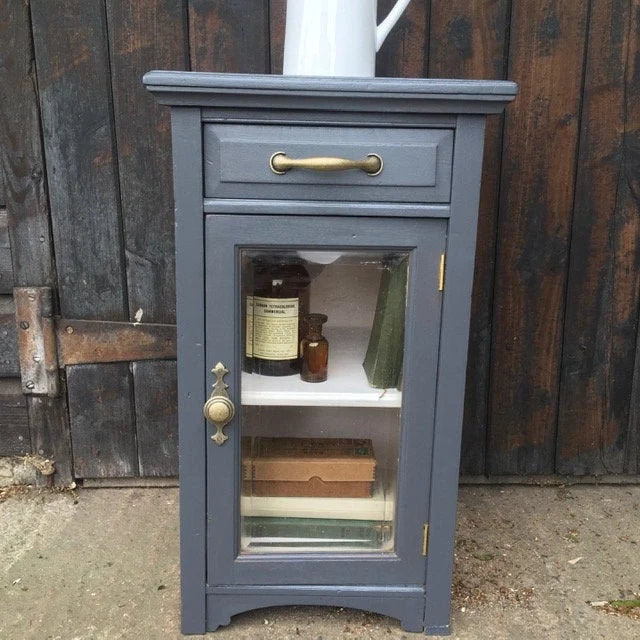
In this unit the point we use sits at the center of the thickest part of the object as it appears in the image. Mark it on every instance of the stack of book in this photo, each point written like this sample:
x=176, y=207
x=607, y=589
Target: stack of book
x=313, y=492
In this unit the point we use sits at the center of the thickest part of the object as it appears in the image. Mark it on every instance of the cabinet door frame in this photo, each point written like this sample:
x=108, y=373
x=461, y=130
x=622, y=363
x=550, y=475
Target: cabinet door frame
x=225, y=235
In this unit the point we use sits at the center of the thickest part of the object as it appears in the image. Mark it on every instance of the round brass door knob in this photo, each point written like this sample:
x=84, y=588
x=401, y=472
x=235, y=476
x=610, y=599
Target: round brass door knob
x=219, y=410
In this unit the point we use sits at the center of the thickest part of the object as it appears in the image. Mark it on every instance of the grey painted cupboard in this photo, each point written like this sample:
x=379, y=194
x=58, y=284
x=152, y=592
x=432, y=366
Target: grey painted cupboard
x=356, y=199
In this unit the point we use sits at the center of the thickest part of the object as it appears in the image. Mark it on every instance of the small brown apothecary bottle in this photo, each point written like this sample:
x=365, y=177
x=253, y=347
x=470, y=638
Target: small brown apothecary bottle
x=314, y=350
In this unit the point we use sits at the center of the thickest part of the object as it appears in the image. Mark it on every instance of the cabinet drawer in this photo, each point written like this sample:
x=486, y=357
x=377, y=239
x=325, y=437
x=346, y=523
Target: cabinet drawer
x=416, y=163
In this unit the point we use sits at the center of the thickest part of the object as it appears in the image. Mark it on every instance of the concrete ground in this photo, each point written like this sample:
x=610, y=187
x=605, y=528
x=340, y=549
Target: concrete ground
x=102, y=564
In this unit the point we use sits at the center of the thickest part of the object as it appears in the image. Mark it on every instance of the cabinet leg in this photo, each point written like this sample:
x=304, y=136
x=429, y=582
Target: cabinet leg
x=216, y=620
x=413, y=625
x=438, y=630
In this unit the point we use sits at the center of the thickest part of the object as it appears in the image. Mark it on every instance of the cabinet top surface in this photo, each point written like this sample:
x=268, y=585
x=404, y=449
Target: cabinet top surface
x=188, y=87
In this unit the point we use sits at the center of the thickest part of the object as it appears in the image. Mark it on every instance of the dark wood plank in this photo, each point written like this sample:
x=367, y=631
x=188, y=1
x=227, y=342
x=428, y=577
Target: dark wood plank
x=468, y=40
x=156, y=417
x=150, y=34
x=229, y=35
x=277, y=22
x=404, y=52
x=50, y=436
x=632, y=453
x=3, y=189
x=9, y=360
x=21, y=150
x=27, y=204
x=603, y=290
x=70, y=41
x=14, y=419
x=546, y=56
x=104, y=442
x=6, y=268
x=73, y=80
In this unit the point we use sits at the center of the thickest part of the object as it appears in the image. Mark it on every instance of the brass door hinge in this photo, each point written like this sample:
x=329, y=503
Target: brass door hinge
x=425, y=538
x=441, y=274
x=47, y=342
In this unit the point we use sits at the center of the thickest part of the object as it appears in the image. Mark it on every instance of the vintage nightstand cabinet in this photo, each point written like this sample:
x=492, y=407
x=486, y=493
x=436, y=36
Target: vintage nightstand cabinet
x=357, y=199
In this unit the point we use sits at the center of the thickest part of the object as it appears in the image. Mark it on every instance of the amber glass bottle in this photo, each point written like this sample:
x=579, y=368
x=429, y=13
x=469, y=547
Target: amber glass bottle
x=280, y=298
x=314, y=350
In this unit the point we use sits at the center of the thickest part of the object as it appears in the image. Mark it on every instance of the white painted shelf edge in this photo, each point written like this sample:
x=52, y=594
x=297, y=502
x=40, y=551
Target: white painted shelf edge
x=346, y=384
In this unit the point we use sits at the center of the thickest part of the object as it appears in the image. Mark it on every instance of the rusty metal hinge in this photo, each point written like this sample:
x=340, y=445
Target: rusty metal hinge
x=425, y=538
x=47, y=343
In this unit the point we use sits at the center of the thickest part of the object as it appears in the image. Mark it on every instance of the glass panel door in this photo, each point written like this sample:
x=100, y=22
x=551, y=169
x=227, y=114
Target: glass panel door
x=322, y=398
x=329, y=328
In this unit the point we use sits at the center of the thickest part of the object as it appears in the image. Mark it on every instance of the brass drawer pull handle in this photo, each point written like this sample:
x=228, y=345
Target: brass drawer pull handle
x=279, y=162
x=218, y=409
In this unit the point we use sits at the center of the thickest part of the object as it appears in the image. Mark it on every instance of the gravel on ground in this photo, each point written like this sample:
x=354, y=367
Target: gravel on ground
x=530, y=562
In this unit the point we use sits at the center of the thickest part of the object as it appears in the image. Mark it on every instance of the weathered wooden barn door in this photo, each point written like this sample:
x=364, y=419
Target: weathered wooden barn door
x=107, y=151
x=554, y=365
x=36, y=424
x=87, y=155
x=14, y=422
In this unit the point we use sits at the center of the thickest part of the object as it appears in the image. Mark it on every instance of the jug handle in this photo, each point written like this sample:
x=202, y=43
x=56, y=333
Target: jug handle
x=382, y=31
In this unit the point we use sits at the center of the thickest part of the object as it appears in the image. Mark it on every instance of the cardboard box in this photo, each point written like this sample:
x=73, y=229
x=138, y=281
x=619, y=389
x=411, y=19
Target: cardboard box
x=314, y=467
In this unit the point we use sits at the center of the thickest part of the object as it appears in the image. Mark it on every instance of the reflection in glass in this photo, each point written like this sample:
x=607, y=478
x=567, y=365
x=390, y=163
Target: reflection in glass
x=320, y=457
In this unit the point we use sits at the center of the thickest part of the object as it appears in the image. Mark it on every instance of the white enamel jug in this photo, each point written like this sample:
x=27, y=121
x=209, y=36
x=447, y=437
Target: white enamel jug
x=335, y=37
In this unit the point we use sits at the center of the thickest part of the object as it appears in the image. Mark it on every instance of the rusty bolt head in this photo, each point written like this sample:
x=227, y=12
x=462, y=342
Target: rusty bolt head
x=30, y=384
x=24, y=324
x=69, y=329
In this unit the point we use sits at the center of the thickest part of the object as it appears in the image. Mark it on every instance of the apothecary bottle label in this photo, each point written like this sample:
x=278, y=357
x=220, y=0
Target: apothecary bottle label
x=275, y=328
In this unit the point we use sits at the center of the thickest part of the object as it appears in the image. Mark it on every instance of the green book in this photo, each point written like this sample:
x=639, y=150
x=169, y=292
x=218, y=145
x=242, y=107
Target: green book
x=383, y=361
x=316, y=532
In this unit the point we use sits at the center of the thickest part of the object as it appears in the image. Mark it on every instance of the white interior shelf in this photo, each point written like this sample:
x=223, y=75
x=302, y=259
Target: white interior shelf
x=346, y=384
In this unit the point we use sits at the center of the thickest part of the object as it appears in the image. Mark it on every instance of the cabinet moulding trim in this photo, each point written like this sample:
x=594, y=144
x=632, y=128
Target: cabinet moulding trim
x=343, y=94
x=312, y=208
x=400, y=104
x=371, y=119
x=400, y=591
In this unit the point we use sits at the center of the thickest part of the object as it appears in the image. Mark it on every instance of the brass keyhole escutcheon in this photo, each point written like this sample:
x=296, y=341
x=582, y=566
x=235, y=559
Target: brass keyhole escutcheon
x=218, y=409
